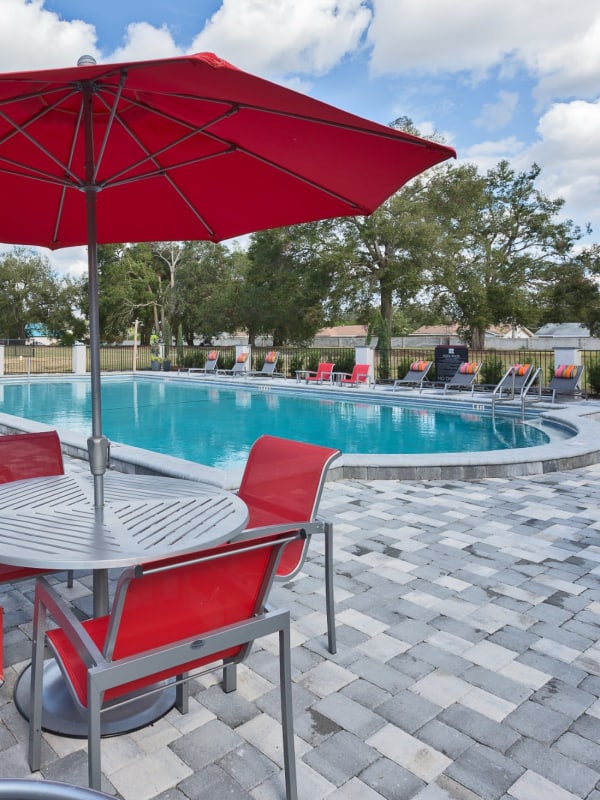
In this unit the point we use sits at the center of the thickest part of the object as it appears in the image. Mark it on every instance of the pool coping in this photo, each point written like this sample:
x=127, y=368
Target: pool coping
x=582, y=416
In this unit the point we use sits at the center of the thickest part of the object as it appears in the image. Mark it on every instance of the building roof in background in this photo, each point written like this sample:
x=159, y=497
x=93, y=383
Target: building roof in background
x=563, y=329
x=504, y=331
x=344, y=330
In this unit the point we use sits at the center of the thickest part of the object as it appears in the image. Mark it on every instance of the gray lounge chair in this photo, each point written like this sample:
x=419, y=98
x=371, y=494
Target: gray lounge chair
x=210, y=367
x=513, y=381
x=565, y=381
x=239, y=368
x=464, y=377
x=415, y=376
x=268, y=368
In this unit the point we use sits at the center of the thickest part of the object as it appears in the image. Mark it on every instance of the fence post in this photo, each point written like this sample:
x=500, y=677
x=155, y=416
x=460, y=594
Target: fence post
x=79, y=358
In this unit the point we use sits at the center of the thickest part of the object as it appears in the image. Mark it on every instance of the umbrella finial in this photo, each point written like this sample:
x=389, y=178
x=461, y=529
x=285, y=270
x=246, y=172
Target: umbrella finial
x=86, y=61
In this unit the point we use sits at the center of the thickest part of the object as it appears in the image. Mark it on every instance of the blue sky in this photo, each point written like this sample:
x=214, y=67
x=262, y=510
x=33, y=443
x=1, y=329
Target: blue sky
x=497, y=78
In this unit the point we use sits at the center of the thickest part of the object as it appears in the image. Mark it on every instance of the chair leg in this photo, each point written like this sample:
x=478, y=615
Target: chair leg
x=182, y=695
x=70, y=579
x=37, y=673
x=287, y=722
x=230, y=677
x=94, y=735
x=329, y=598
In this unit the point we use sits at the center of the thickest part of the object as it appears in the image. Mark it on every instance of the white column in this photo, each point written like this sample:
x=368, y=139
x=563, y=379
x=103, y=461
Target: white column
x=366, y=355
x=1, y=359
x=244, y=348
x=79, y=358
x=567, y=355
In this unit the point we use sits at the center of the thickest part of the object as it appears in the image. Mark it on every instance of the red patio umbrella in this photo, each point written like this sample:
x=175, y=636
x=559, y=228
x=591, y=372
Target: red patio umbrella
x=179, y=149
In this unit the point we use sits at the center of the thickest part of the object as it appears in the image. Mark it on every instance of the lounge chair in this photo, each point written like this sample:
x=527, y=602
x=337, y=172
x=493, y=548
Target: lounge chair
x=282, y=482
x=323, y=373
x=415, y=376
x=360, y=375
x=464, y=377
x=240, y=366
x=210, y=367
x=513, y=381
x=565, y=381
x=268, y=368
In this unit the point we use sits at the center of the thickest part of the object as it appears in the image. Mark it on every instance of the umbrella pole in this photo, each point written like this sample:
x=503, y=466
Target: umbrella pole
x=97, y=443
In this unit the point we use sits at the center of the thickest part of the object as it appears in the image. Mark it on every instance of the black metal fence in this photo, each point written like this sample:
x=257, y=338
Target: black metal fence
x=27, y=359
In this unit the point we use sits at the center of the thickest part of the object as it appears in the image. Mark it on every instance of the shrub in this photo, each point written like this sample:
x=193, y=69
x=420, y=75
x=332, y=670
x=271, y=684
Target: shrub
x=492, y=370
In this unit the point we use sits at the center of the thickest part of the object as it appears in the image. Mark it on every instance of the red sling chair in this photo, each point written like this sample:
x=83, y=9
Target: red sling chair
x=175, y=618
x=282, y=482
x=26, y=455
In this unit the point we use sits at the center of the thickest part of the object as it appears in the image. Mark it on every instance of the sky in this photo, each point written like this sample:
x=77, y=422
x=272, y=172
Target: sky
x=497, y=79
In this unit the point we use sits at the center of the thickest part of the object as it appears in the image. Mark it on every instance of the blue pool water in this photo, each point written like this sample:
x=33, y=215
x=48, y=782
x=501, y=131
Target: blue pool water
x=216, y=425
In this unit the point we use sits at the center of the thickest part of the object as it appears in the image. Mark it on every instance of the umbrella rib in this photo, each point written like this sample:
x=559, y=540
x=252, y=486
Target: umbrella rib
x=22, y=129
x=113, y=113
x=63, y=191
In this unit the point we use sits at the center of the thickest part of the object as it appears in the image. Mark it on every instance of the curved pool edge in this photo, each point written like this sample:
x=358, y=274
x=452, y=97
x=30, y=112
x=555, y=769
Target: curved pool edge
x=580, y=450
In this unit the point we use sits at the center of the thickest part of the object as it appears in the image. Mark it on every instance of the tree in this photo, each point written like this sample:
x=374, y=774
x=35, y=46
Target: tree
x=287, y=280
x=201, y=300
x=497, y=236
x=31, y=293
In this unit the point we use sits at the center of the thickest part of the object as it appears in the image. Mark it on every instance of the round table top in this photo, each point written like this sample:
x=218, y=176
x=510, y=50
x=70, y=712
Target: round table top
x=51, y=523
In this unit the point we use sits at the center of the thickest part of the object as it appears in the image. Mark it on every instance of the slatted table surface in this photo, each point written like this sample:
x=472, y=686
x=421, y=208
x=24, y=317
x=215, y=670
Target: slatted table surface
x=51, y=523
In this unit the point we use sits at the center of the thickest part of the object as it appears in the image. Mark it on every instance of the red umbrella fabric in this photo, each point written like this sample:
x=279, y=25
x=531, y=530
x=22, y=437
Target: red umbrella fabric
x=180, y=149
x=184, y=149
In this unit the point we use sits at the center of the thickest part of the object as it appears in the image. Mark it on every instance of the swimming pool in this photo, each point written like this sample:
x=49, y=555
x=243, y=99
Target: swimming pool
x=216, y=423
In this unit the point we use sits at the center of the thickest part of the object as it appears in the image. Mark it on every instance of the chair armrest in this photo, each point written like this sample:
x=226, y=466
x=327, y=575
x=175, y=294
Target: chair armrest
x=66, y=619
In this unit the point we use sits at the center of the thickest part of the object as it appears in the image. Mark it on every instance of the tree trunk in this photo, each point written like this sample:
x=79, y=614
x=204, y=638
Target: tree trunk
x=478, y=339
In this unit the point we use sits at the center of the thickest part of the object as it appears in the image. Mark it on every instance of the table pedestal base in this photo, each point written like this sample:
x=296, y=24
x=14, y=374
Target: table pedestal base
x=60, y=715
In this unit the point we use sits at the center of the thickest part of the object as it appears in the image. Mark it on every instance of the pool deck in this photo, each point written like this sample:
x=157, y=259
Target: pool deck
x=468, y=663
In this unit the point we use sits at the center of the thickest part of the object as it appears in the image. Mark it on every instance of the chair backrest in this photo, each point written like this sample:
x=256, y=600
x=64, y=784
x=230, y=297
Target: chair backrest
x=270, y=362
x=566, y=376
x=360, y=373
x=282, y=482
x=324, y=371
x=179, y=599
x=30, y=455
x=211, y=360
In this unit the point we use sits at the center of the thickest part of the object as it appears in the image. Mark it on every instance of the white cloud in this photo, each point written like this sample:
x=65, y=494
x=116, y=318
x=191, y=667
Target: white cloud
x=556, y=43
x=277, y=37
x=33, y=38
x=145, y=41
x=499, y=114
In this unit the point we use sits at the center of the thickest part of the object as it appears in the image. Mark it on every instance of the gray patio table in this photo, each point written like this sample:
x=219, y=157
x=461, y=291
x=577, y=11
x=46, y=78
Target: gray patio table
x=51, y=523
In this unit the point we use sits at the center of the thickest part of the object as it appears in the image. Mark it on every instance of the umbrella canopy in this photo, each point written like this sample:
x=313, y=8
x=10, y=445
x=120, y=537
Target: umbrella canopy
x=176, y=149
x=190, y=148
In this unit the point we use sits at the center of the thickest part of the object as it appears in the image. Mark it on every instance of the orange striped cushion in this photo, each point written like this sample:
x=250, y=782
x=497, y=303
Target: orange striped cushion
x=212, y=356
x=469, y=368
x=521, y=369
x=419, y=366
x=271, y=357
x=566, y=371
x=241, y=358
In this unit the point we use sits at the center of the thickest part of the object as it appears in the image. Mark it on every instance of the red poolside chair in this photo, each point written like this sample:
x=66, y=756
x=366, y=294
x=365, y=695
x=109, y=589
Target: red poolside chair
x=27, y=455
x=282, y=482
x=172, y=619
x=361, y=374
x=323, y=373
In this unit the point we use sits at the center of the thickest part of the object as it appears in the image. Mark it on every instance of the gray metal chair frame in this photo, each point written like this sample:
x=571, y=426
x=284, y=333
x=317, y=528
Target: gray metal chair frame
x=463, y=380
x=413, y=378
x=564, y=386
x=104, y=673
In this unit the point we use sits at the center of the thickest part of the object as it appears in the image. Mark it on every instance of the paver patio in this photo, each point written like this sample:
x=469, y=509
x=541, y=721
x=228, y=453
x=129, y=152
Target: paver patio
x=468, y=661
